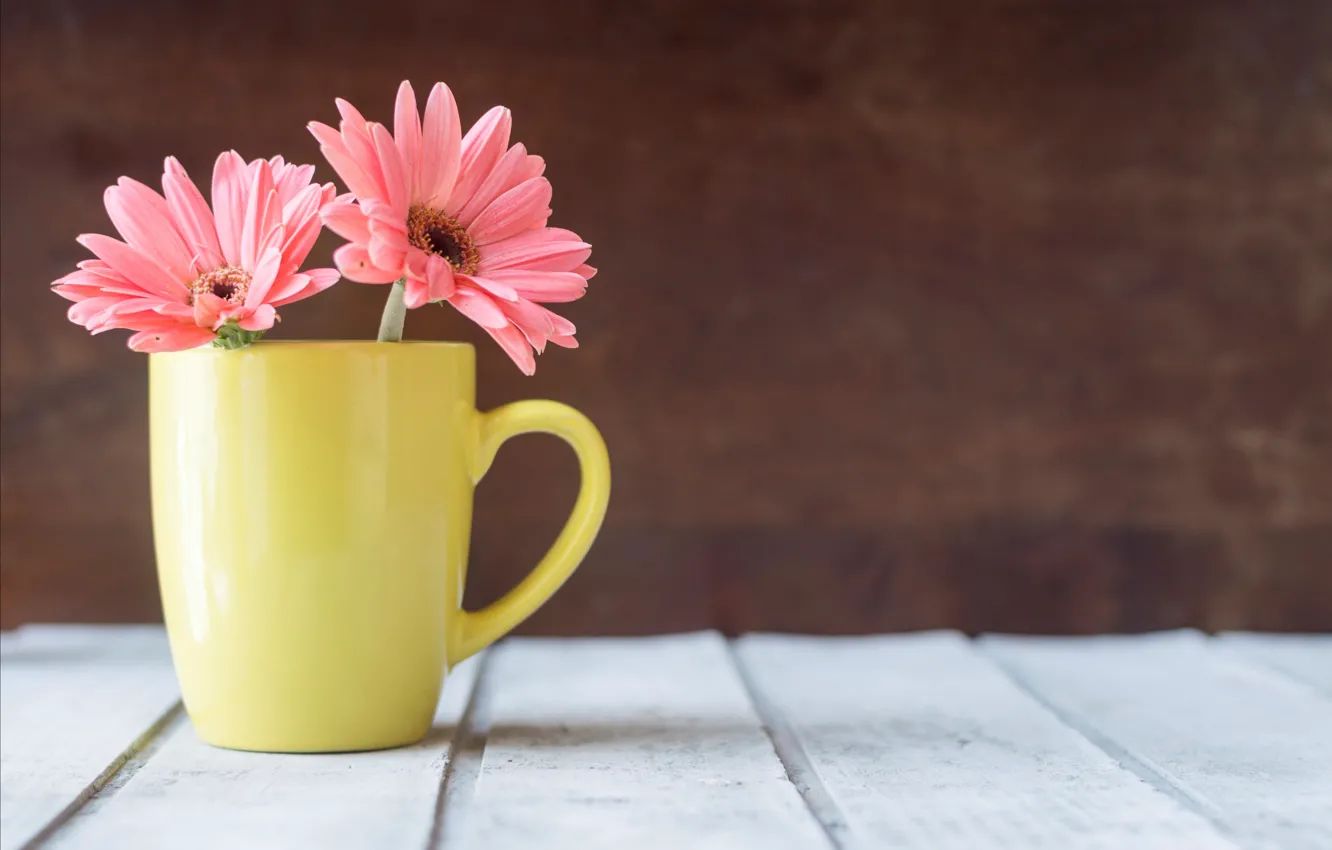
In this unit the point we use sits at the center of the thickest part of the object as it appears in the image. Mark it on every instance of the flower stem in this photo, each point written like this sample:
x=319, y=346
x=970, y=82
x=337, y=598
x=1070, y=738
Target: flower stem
x=395, y=313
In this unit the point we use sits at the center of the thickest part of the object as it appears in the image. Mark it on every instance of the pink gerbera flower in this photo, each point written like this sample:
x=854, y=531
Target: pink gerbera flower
x=457, y=219
x=186, y=274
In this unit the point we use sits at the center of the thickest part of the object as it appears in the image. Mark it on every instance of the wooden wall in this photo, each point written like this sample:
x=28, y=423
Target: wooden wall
x=994, y=315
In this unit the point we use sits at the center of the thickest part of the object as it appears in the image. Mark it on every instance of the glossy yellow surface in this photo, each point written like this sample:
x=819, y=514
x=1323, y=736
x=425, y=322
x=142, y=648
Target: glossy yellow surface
x=312, y=506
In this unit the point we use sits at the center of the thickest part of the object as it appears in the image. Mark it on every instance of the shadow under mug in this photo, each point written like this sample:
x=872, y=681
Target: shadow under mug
x=312, y=509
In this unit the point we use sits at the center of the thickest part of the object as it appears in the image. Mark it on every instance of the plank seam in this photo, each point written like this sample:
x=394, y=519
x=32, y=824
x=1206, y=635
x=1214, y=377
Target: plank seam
x=800, y=770
x=120, y=771
x=467, y=749
x=1153, y=775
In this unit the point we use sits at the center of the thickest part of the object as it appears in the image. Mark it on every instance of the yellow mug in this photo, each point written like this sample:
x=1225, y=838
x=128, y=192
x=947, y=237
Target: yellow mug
x=312, y=508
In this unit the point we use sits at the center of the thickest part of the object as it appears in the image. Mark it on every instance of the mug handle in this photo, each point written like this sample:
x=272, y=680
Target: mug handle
x=478, y=629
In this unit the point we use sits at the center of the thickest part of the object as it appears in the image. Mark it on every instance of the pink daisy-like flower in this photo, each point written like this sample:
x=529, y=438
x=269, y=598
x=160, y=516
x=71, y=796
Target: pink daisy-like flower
x=186, y=274
x=461, y=219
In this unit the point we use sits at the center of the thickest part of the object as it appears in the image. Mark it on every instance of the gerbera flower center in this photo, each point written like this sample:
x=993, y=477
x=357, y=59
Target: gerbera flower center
x=226, y=282
x=437, y=233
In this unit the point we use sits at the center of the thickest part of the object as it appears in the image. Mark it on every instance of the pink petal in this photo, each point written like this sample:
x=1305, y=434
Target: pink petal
x=440, y=145
x=352, y=119
x=312, y=282
x=418, y=263
x=516, y=346
x=84, y=283
x=300, y=218
x=115, y=286
x=265, y=270
x=303, y=205
x=542, y=249
x=134, y=321
x=388, y=244
x=397, y=179
x=385, y=256
x=585, y=271
x=407, y=136
x=354, y=264
x=417, y=293
x=495, y=287
x=347, y=220
x=80, y=291
x=208, y=310
x=86, y=312
x=483, y=146
x=532, y=320
x=478, y=307
x=563, y=327
x=138, y=315
x=179, y=312
x=276, y=238
x=137, y=322
x=440, y=276
x=263, y=213
x=524, y=207
x=298, y=245
x=192, y=216
x=177, y=338
x=351, y=115
x=285, y=287
x=261, y=319
x=321, y=279
x=135, y=306
x=349, y=168
x=540, y=325
x=229, y=201
x=356, y=138
x=383, y=217
x=135, y=267
x=542, y=286
x=513, y=168
x=291, y=180
x=143, y=219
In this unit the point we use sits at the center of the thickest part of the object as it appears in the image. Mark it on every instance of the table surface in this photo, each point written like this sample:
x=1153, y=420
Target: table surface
x=690, y=742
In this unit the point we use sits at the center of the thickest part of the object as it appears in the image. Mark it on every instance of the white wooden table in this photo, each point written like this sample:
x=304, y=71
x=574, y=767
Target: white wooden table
x=689, y=742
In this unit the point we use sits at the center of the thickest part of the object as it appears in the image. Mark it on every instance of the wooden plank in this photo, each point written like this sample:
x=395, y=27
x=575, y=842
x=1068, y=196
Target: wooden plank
x=644, y=743
x=919, y=742
x=75, y=704
x=1304, y=657
x=189, y=794
x=1248, y=747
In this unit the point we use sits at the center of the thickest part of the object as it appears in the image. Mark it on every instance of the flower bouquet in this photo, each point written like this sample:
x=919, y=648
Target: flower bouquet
x=312, y=500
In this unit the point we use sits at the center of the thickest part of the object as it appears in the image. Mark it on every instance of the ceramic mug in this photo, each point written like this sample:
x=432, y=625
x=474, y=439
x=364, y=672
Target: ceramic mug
x=312, y=508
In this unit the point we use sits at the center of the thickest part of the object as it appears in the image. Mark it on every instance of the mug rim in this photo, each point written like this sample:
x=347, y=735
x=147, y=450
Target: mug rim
x=340, y=344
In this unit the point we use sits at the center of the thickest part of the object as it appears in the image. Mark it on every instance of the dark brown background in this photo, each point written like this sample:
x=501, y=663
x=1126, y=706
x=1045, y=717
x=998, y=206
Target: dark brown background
x=995, y=315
